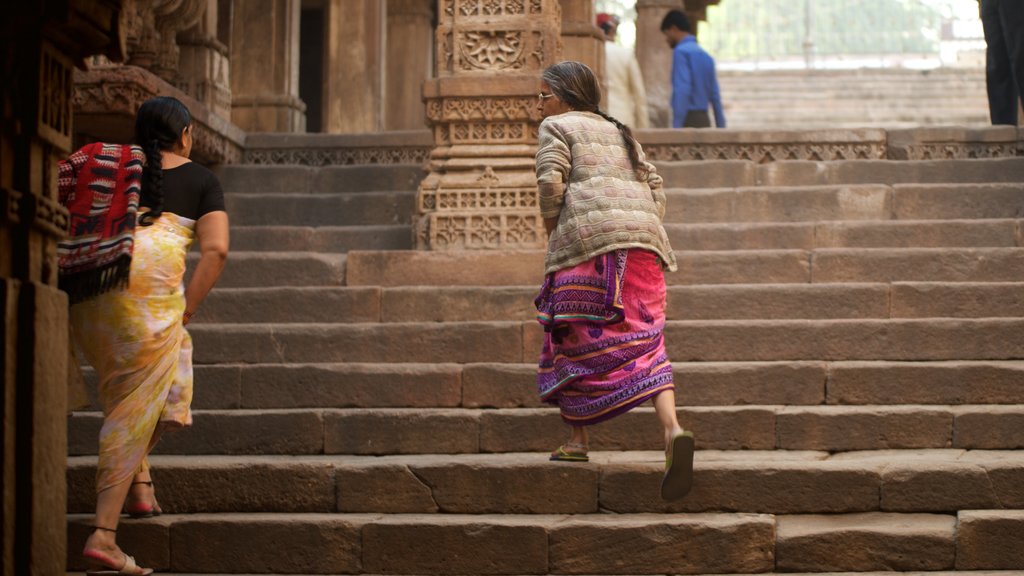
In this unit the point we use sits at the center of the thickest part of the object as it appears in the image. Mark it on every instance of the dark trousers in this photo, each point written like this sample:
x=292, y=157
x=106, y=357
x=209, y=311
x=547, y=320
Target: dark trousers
x=697, y=119
x=1003, y=21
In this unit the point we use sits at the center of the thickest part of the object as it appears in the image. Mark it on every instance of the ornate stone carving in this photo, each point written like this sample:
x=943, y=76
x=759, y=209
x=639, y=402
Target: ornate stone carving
x=763, y=153
x=54, y=123
x=491, y=51
x=305, y=156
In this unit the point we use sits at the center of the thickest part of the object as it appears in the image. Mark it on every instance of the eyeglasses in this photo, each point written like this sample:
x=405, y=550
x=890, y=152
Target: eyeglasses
x=543, y=96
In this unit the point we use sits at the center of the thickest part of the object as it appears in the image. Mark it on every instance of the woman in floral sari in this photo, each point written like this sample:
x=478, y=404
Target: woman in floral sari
x=123, y=268
x=602, y=304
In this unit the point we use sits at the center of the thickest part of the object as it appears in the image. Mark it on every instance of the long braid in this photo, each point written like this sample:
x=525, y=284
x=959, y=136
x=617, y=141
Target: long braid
x=152, y=182
x=630, y=142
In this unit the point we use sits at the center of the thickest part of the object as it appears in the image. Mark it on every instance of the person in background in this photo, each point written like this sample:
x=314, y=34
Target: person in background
x=602, y=304
x=694, y=84
x=1003, y=22
x=627, y=98
x=135, y=211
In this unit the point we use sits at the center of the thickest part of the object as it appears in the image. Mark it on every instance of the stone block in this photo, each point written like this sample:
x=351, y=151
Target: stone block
x=389, y=488
x=450, y=544
x=247, y=432
x=953, y=382
x=990, y=540
x=794, y=173
x=1005, y=470
x=331, y=239
x=514, y=484
x=812, y=203
x=929, y=486
x=957, y=201
x=756, y=236
x=737, y=383
x=989, y=427
x=394, y=385
x=839, y=429
x=923, y=234
x=290, y=305
x=259, y=269
x=500, y=386
x=696, y=205
x=656, y=544
x=960, y=300
x=708, y=173
x=348, y=209
x=918, y=265
x=457, y=268
x=777, y=301
x=759, y=483
x=298, y=343
x=215, y=387
x=149, y=541
x=252, y=179
x=380, y=177
x=927, y=171
x=861, y=542
x=741, y=267
x=262, y=543
x=458, y=304
x=401, y=431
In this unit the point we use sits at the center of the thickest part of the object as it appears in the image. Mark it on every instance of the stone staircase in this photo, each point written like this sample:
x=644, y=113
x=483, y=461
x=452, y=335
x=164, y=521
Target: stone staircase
x=848, y=341
x=802, y=99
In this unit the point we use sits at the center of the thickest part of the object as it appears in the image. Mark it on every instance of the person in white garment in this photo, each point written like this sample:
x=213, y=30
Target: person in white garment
x=627, y=98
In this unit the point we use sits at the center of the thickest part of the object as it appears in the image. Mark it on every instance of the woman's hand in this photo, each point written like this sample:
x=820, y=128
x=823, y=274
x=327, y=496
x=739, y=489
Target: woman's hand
x=212, y=233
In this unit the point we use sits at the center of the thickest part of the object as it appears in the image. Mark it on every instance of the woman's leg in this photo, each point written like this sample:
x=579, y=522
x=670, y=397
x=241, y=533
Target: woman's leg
x=579, y=436
x=665, y=408
x=108, y=512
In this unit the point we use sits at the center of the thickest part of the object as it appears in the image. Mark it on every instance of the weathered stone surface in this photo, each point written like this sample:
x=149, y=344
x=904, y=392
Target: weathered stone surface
x=987, y=170
x=745, y=236
x=839, y=428
x=761, y=482
x=737, y=383
x=778, y=301
x=1005, y=470
x=419, y=342
x=422, y=268
x=450, y=544
x=149, y=541
x=914, y=234
x=403, y=431
x=960, y=201
x=741, y=267
x=786, y=204
x=989, y=427
x=469, y=304
x=390, y=488
x=859, y=542
x=394, y=385
x=331, y=239
x=257, y=269
x=919, y=264
x=764, y=340
x=330, y=209
x=290, y=305
x=959, y=300
x=918, y=486
x=990, y=540
x=500, y=386
x=953, y=382
x=260, y=543
x=658, y=544
x=708, y=173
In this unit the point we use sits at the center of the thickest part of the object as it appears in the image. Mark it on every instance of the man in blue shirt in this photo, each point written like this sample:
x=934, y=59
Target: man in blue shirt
x=694, y=85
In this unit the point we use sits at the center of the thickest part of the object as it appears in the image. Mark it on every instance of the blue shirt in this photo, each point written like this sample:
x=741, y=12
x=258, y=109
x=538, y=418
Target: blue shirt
x=694, y=84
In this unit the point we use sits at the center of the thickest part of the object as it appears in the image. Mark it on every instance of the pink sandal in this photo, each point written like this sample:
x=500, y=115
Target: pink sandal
x=109, y=566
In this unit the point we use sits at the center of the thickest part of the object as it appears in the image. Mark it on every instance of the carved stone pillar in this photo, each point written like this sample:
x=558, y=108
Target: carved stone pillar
x=204, y=66
x=152, y=30
x=582, y=40
x=481, y=191
x=39, y=47
x=353, y=74
x=410, y=48
x=655, y=58
x=265, y=78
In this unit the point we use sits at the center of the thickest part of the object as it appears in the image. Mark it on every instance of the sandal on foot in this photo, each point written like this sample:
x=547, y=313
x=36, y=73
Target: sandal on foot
x=143, y=509
x=570, y=452
x=678, y=467
x=108, y=566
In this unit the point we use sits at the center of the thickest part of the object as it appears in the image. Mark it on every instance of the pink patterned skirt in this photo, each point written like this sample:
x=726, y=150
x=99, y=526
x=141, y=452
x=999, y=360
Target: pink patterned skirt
x=604, y=347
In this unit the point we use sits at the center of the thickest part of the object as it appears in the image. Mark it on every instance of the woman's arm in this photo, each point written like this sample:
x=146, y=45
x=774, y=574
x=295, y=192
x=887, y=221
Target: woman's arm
x=212, y=232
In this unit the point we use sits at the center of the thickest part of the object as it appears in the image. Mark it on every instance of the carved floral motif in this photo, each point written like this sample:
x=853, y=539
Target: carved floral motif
x=764, y=153
x=491, y=50
x=304, y=156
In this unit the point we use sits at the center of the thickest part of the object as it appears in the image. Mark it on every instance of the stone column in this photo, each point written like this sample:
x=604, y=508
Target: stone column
x=204, y=65
x=582, y=40
x=410, y=51
x=655, y=58
x=481, y=191
x=265, y=51
x=353, y=66
x=39, y=50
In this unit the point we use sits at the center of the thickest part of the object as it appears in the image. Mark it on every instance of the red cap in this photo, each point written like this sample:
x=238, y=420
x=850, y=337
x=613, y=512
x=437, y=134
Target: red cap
x=604, y=18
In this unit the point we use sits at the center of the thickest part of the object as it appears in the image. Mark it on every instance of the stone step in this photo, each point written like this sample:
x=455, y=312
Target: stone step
x=561, y=544
x=359, y=304
x=344, y=209
x=489, y=385
x=329, y=239
x=768, y=482
x=885, y=573
x=686, y=340
x=381, y=432
x=823, y=265
x=302, y=180
x=868, y=234
x=248, y=269
x=736, y=173
x=841, y=204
